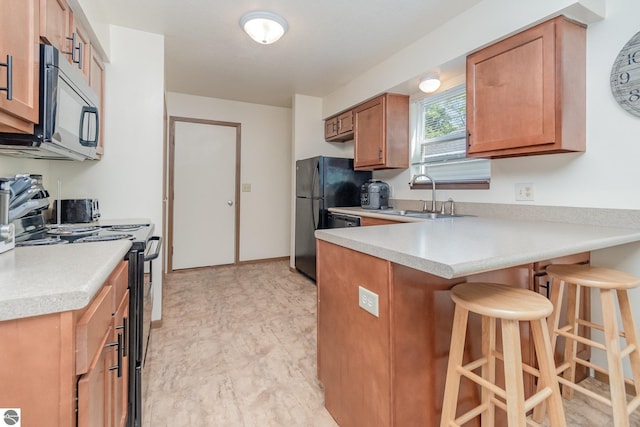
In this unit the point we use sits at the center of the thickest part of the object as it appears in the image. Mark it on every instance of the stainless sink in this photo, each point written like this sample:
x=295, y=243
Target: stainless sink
x=420, y=214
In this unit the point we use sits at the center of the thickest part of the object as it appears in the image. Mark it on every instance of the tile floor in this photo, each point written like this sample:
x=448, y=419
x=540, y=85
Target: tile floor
x=237, y=347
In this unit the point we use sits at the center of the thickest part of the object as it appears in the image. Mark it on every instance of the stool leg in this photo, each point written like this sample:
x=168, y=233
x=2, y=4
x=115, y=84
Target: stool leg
x=557, y=291
x=571, y=345
x=631, y=334
x=548, y=377
x=456, y=351
x=514, y=386
x=488, y=369
x=614, y=361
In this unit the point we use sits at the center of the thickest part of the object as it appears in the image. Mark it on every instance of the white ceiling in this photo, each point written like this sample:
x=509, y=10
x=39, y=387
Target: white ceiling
x=329, y=42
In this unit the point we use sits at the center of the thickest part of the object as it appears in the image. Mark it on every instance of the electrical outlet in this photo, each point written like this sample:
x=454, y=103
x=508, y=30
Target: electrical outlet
x=524, y=191
x=246, y=188
x=368, y=300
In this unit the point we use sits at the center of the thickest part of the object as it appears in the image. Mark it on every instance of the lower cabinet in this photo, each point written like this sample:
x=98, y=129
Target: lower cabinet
x=390, y=369
x=70, y=368
x=367, y=221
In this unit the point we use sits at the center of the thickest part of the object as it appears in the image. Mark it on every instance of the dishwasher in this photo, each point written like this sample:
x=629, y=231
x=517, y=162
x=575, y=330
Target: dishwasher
x=338, y=220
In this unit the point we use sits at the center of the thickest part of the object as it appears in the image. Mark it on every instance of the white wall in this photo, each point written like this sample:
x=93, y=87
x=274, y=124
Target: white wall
x=265, y=212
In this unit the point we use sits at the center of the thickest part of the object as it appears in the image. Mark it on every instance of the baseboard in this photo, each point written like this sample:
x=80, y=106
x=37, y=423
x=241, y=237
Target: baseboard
x=156, y=324
x=604, y=378
x=258, y=261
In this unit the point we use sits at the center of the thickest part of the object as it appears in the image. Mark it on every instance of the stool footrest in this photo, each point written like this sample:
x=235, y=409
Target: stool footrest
x=597, y=326
x=537, y=399
x=633, y=405
x=584, y=391
x=462, y=370
x=469, y=415
x=564, y=332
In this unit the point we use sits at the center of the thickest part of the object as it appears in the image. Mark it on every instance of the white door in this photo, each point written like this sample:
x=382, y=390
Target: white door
x=204, y=186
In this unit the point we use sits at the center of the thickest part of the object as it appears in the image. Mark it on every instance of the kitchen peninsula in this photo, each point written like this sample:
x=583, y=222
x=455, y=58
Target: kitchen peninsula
x=389, y=369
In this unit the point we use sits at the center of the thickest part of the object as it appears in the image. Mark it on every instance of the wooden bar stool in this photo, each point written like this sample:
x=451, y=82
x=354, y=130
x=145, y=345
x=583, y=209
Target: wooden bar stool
x=510, y=305
x=609, y=282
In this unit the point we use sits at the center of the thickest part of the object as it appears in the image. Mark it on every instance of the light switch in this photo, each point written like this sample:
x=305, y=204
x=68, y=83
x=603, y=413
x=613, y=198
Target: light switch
x=246, y=188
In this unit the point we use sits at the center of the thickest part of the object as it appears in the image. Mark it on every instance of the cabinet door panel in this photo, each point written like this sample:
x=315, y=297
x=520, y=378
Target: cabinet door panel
x=370, y=136
x=19, y=37
x=54, y=24
x=95, y=388
x=512, y=95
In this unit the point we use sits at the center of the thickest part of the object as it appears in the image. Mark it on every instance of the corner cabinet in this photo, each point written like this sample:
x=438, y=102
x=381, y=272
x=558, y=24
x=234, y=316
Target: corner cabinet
x=381, y=133
x=527, y=94
x=70, y=368
x=19, y=38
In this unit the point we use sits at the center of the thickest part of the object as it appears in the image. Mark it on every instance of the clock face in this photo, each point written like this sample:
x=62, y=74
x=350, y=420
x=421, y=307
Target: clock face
x=625, y=76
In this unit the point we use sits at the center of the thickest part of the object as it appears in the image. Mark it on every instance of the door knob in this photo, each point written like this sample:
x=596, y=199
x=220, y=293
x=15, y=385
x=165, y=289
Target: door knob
x=230, y=202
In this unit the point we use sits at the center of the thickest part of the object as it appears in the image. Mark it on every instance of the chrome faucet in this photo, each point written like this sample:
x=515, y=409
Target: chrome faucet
x=443, y=206
x=433, y=189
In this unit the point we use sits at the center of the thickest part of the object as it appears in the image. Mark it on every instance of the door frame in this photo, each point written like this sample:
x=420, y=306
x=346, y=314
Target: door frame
x=172, y=151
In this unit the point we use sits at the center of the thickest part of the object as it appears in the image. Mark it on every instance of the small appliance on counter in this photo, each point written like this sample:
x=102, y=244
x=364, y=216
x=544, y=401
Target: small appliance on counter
x=27, y=204
x=75, y=211
x=374, y=194
x=7, y=230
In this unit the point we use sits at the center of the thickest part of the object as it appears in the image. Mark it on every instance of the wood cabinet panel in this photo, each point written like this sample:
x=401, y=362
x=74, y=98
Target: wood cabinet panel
x=95, y=388
x=19, y=37
x=367, y=221
x=91, y=327
x=55, y=26
x=339, y=128
x=120, y=388
x=408, y=343
x=360, y=369
x=83, y=41
x=527, y=93
x=381, y=133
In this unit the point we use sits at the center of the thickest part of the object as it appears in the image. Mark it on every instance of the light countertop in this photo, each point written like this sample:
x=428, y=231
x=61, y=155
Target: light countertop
x=456, y=247
x=37, y=280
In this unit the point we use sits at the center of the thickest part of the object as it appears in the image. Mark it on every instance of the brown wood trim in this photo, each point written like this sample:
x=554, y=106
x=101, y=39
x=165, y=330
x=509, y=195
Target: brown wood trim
x=455, y=185
x=171, y=178
x=263, y=260
x=156, y=324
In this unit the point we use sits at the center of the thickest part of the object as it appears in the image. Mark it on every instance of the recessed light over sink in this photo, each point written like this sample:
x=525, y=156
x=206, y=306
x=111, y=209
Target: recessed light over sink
x=264, y=27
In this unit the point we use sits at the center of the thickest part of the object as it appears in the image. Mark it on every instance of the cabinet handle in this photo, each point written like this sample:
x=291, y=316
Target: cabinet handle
x=80, y=54
x=9, y=87
x=468, y=139
x=118, y=345
x=379, y=153
x=339, y=124
x=74, y=49
x=124, y=338
x=72, y=52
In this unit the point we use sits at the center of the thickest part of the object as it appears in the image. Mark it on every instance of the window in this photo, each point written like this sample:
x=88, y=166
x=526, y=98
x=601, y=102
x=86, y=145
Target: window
x=439, y=126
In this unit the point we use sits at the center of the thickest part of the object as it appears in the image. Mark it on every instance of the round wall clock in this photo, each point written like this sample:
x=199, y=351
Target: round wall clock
x=625, y=76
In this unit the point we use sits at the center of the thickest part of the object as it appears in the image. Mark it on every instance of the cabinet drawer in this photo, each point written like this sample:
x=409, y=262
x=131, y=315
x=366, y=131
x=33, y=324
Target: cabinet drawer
x=91, y=328
x=119, y=279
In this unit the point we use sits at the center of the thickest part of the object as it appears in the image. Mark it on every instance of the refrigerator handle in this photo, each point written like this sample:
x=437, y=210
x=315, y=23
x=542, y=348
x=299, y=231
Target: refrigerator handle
x=314, y=180
x=313, y=214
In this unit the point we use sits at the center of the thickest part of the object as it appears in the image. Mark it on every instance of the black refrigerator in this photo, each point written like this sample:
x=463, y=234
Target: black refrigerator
x=321, y=183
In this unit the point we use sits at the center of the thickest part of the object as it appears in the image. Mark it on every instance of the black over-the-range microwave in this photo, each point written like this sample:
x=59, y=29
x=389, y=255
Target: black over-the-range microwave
x=68, y=120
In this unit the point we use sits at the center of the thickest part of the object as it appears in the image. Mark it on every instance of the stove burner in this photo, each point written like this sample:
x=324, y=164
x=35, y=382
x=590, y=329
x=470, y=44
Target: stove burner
x=104, y=238
x=74, y=231
x=42, y=242
x=124, y=227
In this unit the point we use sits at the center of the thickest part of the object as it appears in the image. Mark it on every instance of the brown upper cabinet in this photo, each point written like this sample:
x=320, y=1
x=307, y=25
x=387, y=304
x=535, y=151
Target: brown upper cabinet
x=381, y=133
x=19, y=32
x=527, y=94
x=60, y=28
x=339, y=128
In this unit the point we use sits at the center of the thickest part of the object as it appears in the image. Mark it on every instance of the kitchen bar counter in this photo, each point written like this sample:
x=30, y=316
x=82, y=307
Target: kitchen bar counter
x=456, y=247
x=36, y=280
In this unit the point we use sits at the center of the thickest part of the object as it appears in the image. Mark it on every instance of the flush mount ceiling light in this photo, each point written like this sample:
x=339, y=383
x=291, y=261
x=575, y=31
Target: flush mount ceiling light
x=264, y=27
x=429, y=83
